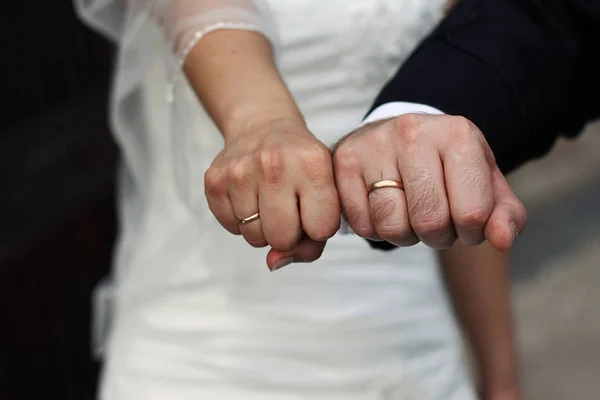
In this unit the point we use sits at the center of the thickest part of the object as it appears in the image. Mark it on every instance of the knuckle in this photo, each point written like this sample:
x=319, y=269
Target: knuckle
x=407, y=240
x=284, y=243
x=474, y=218
x=379, y=137
x=321, y=153
x=321, y=235
x=461, y=128
x=257, y=243
x=346, y=160
x=271, y=162
x=408, y=127
x=324, y=231
x=472, y=239
x=316, y=162
x=364, y=231
x=213, y=184
x=392, y=231
x=443, y=242
x=238, y=172
x=431, y=227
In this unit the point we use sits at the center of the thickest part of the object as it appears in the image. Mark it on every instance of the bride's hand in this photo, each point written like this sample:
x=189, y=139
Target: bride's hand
x=281, y=171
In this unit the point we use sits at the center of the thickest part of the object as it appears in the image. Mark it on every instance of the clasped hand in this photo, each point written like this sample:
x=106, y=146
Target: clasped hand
x=281, y=171
x=450, y=187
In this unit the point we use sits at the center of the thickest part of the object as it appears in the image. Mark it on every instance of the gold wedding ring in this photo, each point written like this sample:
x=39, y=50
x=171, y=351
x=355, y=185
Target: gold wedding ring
x=251, y=218
x=386, y=183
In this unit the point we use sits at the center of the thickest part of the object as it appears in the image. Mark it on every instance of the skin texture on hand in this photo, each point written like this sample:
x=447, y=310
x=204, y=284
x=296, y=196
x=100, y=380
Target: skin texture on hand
x=271, y=163
x=281, y=170
x=452, y=185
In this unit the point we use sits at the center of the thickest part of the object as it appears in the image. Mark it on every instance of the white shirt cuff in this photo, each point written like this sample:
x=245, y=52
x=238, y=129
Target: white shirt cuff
x=397, y=108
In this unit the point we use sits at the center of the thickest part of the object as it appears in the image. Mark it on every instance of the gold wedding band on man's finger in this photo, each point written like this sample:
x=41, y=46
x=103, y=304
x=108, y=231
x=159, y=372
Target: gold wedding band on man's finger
x=386, y=183
x=389, y=213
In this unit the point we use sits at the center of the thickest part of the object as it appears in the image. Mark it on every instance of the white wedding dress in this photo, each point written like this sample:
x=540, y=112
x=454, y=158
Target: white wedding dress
x=198, y=315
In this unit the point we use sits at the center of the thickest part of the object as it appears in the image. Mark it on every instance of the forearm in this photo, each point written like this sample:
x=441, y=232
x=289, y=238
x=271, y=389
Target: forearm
x=477, y=278
x=235, y=77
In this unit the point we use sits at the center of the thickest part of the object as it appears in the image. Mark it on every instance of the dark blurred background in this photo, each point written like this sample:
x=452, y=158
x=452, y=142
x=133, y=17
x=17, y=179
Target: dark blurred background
x=57, y=225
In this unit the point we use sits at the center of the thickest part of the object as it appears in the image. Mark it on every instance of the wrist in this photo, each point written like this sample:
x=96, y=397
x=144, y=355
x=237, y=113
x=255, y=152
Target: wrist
x=249, y=118
x=234, y=76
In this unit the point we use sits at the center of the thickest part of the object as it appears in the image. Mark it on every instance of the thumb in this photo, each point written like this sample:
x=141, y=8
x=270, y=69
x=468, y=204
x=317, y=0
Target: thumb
x=508, y=218
x=307, y=250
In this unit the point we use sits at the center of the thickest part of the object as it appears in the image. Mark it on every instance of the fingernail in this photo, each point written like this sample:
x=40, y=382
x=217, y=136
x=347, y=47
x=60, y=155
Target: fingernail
x=513, y=229
x=282, y=263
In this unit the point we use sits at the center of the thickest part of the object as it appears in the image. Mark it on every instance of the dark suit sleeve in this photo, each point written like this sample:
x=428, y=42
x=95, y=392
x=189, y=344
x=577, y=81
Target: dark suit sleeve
x=524, y=71
x=519, y=69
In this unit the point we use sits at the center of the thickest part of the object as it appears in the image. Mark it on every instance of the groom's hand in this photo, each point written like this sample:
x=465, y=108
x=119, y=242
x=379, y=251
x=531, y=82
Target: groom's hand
x=452, y=185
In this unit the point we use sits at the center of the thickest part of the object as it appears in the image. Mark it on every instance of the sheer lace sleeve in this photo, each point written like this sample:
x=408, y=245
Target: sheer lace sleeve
x=151, y=97
x=184, y=22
